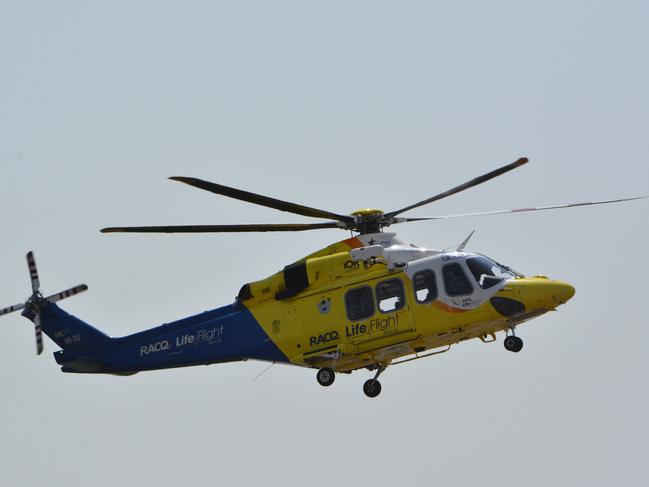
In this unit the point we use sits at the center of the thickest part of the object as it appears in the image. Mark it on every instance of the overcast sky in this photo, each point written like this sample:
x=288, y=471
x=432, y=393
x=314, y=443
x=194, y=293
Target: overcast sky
x=337, y=105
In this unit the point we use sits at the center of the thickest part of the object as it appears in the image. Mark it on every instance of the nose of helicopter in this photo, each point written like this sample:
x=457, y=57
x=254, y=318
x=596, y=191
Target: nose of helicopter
x=532, y=293
x=547, y=293
x=562, y=292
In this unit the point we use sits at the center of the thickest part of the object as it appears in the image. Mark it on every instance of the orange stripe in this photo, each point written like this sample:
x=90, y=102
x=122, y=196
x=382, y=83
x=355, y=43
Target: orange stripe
x=353, y=242
x=445, y=307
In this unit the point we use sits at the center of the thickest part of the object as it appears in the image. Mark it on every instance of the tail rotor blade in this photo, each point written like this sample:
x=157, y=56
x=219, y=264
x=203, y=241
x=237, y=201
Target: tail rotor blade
x=39, y=334
x=33, y=272
x=11, y=309
x=67, y=293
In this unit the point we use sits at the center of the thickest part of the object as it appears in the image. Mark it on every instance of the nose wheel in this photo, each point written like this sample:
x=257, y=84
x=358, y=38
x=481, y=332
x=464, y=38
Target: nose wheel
x=325, y=377
x=513, y=343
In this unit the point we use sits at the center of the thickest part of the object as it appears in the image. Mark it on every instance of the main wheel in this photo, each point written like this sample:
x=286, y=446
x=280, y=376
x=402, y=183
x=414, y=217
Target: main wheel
x=325, y=377
x=513, y=344
x=372, y=388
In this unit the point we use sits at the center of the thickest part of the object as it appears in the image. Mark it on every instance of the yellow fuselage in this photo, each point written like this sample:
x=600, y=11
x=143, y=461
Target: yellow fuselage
x=313, y=324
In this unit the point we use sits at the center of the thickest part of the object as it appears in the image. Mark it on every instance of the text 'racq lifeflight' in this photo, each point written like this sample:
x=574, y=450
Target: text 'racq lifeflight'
x=367, y=302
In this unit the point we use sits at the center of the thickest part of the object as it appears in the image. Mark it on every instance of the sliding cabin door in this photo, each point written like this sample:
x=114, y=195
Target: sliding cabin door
x=378, y=314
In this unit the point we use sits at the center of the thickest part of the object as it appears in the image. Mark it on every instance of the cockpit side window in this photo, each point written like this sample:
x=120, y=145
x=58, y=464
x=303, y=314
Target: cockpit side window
x=359, y=303
x=455, y=281
x=425, y=286
x=486, y=272
x=389, y=295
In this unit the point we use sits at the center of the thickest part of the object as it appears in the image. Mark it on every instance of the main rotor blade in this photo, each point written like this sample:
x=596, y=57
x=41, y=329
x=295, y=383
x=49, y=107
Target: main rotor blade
x=521, y=210
x=462, y=187
x=278, y=227
x=33, y=272
x=67, y=293
x=11, y=309
x=258, y=199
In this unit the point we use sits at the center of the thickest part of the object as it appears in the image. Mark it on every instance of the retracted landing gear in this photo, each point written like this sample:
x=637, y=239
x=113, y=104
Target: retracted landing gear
x=326, y=377
x=372, y=387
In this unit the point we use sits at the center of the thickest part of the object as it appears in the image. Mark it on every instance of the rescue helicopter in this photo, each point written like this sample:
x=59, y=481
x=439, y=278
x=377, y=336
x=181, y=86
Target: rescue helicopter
x=370, y=301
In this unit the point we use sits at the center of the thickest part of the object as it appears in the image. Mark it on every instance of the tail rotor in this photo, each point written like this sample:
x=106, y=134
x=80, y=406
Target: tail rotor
x=32, y=307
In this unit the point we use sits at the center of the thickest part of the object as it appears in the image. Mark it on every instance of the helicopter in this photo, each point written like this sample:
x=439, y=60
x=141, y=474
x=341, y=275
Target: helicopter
x=370, y=301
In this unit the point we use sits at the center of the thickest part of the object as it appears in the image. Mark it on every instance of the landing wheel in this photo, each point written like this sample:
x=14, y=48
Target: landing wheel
x=372, y=388
x=513, y=344
x=325, y=377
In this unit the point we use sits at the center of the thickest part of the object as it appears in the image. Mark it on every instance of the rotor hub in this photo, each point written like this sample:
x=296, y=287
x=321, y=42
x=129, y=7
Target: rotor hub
x=368, y=213
x=368, y=220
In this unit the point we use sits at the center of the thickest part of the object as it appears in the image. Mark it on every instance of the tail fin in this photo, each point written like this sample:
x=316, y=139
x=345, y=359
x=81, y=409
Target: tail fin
x=72, y=334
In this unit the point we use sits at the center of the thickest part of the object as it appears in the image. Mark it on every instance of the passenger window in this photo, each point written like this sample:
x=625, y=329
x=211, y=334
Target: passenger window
x=359, y=303
x=389, y=295
x=455, y=281
x=425, y=286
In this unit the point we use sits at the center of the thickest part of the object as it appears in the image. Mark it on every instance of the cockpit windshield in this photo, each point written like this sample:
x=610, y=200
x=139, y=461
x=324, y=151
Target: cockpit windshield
x=487, y=272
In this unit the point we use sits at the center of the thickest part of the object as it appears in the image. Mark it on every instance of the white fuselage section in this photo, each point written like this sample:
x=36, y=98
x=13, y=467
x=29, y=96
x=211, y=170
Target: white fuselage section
x=388, y=248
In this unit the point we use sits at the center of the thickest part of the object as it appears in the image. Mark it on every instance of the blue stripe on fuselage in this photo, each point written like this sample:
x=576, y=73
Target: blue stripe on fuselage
x=224, y=334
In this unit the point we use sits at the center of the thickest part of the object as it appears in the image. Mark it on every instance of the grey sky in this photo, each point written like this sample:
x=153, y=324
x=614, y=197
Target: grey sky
x=338, y=105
